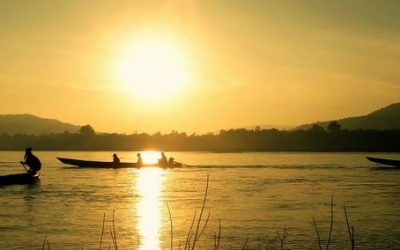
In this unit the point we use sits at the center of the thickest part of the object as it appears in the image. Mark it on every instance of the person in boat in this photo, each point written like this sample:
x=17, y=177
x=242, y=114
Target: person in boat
x=163, y=160
x=32, y=161
x=116, y=159
x=171, y=160
x=139, y=161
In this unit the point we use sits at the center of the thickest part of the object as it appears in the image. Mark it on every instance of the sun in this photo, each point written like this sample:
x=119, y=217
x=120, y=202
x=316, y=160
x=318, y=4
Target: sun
x=153, y=70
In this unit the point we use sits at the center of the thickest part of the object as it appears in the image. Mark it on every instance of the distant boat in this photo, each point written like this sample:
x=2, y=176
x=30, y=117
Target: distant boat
x=395, y=163
x=108, y=164
x=14, y=179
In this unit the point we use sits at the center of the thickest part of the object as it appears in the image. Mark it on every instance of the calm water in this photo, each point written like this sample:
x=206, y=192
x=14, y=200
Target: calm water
x=255, y=195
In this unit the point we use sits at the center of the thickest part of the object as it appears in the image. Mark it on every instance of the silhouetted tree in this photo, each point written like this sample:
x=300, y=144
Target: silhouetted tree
x=334, y=127
x=317, y=128
x=232, y=140
x=87, y=130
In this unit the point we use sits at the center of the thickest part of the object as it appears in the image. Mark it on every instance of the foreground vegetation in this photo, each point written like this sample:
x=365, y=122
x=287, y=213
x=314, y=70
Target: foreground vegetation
x=109, y=240
x=317, y=138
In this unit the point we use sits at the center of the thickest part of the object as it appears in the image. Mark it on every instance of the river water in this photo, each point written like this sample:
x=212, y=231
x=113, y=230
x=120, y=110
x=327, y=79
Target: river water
x=254, y=196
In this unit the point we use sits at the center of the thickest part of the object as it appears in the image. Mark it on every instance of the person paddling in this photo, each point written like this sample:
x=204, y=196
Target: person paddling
x=32, y=161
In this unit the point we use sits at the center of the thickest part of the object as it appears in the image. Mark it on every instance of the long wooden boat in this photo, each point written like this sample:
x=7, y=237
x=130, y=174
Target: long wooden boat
x=107, y=164
x=23, y=178
x=394, y=163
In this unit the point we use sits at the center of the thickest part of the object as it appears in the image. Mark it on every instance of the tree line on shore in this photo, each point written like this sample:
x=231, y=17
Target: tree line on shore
x=317, y=138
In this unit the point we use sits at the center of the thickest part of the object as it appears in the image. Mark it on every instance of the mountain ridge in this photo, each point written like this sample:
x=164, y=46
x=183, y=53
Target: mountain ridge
x=384, y=118
x=31, y=124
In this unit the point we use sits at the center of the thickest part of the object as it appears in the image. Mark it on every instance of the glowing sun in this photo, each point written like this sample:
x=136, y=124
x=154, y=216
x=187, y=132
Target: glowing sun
x=153, y=70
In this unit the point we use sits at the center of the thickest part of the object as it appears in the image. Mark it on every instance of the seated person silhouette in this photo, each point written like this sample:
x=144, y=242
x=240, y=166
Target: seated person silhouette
x=139, y=161
x=116, y=160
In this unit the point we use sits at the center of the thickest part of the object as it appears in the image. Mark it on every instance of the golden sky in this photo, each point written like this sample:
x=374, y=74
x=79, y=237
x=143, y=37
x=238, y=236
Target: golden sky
x=197, y=66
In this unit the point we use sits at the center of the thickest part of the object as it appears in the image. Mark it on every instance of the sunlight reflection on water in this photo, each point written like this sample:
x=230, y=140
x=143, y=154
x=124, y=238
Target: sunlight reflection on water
x=149, y=185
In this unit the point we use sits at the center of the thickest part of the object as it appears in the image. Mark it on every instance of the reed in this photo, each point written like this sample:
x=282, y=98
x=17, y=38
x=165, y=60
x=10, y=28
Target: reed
x=317, y=232
x=199, y=231
x=46, y=243
x=217, y=236
x=282, y=237
x=330, y=229
x=245, y=244
x=331, y=225
x=350, y=228
x=172, y=227
x=102, y=231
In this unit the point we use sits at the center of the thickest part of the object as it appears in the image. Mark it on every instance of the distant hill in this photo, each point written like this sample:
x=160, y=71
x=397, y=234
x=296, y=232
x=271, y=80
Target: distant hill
x=384, y=118
x=30, y=124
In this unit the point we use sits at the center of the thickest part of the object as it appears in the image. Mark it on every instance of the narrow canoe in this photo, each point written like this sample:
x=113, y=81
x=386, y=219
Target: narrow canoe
x=394, y=163
x=14, y=179
x=107, y=164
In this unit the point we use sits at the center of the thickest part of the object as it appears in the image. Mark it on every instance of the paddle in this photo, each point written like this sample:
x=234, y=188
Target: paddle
x=8, y=162
x=13, y=162
x=23, y=164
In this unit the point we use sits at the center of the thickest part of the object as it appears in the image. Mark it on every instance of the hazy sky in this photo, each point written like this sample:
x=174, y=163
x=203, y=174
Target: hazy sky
x=238, y=63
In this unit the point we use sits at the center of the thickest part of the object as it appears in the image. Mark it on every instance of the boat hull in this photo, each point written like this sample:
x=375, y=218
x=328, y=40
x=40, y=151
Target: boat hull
x=105, y=164
x=18, y=179
x=393, y=163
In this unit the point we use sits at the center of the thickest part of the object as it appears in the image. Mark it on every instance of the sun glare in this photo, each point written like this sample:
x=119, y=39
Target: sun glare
x=149, y=207
x=153, y=70
x=151, y=157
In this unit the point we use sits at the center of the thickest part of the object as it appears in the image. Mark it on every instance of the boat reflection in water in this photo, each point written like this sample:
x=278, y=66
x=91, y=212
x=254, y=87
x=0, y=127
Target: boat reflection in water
x=149, y=185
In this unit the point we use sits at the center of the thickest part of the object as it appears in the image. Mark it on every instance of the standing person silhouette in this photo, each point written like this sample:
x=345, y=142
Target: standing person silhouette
x=163, y=160
x=32, y=161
